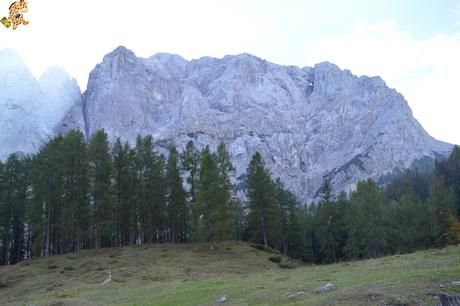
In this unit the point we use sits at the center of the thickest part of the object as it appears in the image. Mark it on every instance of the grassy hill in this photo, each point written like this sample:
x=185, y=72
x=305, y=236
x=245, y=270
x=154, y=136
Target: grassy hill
x=194, y=275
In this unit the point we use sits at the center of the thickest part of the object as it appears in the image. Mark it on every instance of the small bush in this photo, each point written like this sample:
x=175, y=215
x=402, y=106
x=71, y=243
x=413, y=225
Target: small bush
x=3, y=284
x=287, y=265
x=261, y=247
x=275, y=259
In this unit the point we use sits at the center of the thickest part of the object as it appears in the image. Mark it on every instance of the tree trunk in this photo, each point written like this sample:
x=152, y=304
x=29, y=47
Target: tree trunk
x=264, y=233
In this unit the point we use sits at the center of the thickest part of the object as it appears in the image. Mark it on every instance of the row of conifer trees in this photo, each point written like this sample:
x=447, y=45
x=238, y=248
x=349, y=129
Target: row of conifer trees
x=74, y=195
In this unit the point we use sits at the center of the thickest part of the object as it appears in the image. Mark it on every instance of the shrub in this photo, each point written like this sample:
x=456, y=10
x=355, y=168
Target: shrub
x=275, y=259
x=287, y=265
x=261, y=247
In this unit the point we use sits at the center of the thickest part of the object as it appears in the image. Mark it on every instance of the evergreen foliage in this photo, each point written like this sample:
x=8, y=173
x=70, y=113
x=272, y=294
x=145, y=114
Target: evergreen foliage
x=73, y=195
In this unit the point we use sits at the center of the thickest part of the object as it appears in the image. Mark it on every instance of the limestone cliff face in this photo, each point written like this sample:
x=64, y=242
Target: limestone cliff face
x=30, y=109
x=310, y=124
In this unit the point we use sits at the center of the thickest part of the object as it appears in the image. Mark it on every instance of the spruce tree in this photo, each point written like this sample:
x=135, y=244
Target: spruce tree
x=43, y=209
x=440, y=205
x=223, y=206
x=177, y=208
x=122, y=191
x=291, y=230
x=3, y=213
x=159, y=189
x=146, y=163
x=329, y=230
x=366, y=222
x=14, y=180
x=239, y=218
x=453, y=232
x=100, y=172
x=262, y=206
x=208, y=197
x=75, y=209
x=190, y=161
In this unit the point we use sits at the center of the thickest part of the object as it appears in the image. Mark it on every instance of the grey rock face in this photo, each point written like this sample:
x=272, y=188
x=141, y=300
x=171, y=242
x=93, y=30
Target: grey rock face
x=21, y=129
x=310, y=124
x=29, y=110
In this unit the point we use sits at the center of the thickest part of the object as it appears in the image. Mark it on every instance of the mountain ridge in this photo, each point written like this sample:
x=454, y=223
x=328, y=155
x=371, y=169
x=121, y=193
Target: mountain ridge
x=30, y=108
x=311, y=124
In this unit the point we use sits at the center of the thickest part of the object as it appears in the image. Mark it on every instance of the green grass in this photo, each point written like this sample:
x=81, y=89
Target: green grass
x=194, y=275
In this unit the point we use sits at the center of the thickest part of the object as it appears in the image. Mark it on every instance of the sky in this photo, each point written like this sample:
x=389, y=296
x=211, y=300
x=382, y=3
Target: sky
x=414, y=45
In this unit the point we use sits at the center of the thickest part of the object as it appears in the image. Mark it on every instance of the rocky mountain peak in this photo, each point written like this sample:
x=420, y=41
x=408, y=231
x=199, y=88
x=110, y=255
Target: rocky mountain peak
x=10, y=59
x=29, y=109
x=311, y=124
x=120, y=52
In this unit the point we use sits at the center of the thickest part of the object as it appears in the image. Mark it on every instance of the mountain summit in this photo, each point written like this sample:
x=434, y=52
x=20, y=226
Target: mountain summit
x=29, y=110
x=311, y=124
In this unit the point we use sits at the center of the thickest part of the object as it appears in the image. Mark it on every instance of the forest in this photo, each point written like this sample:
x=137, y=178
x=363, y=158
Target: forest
x=74, y=195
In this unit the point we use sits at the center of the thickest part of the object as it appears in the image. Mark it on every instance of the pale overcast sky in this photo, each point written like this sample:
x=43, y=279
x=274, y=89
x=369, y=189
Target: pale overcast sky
x=414, y=45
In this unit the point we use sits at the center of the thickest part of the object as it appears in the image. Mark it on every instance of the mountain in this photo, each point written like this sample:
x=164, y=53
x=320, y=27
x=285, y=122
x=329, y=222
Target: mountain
x=29, y=110
x=311, y=124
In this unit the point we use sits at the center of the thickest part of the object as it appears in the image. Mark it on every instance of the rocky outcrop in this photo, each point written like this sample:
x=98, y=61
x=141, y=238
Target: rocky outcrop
x=311, y=124
x=29, y=110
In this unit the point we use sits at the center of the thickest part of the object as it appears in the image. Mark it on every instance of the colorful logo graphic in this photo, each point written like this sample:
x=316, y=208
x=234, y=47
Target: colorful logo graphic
x=16, y=16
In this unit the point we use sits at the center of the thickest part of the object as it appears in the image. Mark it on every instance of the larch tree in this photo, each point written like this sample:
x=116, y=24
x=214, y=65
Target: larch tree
x=190, y=161
x=100, y=173
x=263, y=212
x=175, y=198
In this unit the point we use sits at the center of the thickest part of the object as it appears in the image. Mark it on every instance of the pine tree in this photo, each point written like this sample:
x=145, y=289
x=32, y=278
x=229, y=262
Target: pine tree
x=223, y=206
x=132, y=195
x=177, y=208
x=239, y=218
x=291, y=229
x=214, y=196
x=100, y=171
x=146, y=163
x=43, y=209
x=453, y=232
x=75, y=214
x=440, y=205
x=190, y=161
x=207, y=197
x=329, y=230
x=262, y=205
x=12, y=249
x=449, y=171
x=366, y=220
x=326, y=193
x=3, y=214
x=312, y=252
x=159, y=189
x=122, y=191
